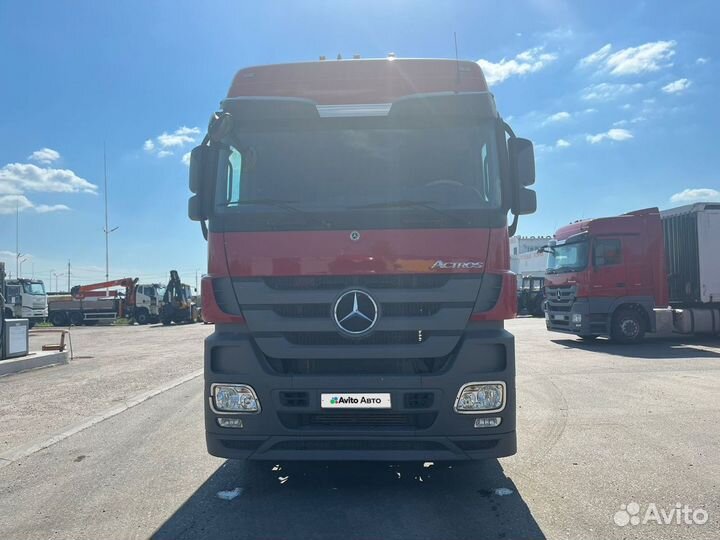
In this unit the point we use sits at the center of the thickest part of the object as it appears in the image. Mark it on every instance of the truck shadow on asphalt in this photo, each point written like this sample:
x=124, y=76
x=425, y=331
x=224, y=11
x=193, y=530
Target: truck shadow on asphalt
x=355, y=500
x=652, y=349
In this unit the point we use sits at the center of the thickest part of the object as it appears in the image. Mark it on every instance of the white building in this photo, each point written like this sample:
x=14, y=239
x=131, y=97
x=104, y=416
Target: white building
x=524, y=258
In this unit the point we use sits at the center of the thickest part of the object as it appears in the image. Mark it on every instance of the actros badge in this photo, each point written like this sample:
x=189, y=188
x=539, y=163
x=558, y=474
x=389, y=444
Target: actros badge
x=355, y=312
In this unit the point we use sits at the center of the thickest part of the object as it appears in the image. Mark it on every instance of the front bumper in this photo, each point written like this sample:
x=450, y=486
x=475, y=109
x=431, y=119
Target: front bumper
x=302, y=430
x=576, y=318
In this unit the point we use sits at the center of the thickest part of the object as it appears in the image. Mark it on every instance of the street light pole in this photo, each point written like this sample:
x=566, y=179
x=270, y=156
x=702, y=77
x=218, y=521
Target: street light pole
x=106, y=229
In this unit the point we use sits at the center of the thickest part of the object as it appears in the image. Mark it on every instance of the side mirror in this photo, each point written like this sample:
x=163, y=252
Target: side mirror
x=522, y=161
x=203, y=171
x=522, y=172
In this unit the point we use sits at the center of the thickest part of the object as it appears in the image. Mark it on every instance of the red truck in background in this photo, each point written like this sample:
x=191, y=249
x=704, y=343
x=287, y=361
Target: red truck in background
x=645, y=271
x=358, y=265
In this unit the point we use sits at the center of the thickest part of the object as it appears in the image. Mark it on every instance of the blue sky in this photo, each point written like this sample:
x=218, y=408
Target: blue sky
x=619, y=98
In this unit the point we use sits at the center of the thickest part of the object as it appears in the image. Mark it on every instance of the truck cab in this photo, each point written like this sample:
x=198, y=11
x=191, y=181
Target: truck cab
x=356, y=214
x=605, y=276
x=26, y=299
x=148, y=300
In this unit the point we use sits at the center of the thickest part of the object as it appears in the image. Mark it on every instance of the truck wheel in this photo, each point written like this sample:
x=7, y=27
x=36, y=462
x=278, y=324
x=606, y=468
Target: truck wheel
x=58, y=318
x=76, y=319
x=628, y=326
x=142, y=317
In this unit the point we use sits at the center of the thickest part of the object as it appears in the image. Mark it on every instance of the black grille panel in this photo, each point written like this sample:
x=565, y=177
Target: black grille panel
x=368, y=366
x=419, y=400
x=357, y=420
x=294, y=399
x=403, y=281
x=316, y=311
x=319, y=445
x=378, y=338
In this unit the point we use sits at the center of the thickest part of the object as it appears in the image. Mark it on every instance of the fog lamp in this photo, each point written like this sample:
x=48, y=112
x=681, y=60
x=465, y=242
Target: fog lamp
x=488, y=422
x=230, y=422
x=480, y=397
x=239, y=398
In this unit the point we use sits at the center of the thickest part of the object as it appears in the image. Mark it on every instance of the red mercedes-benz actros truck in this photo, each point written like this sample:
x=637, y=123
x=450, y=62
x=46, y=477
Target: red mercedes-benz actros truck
x=645, y=271
x=358, y=270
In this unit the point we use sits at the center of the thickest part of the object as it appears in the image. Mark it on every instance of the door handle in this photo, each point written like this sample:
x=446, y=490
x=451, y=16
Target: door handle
x=619, y=284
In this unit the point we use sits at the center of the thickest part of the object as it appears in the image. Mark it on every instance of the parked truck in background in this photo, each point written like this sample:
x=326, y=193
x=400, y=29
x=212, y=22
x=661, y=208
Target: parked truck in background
x=26, y=299
x=645, y=271
x=358, y=266
x=178, y=305
x=107, y=301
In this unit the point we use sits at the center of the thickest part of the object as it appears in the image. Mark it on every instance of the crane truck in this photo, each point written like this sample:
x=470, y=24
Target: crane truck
x=356, y=214
x=644, y=271
x=88, y=304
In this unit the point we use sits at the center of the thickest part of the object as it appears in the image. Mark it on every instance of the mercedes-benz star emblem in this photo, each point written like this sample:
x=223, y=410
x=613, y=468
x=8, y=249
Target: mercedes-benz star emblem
x=355, y=312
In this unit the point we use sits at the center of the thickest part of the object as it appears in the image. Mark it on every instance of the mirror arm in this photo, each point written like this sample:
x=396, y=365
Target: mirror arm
x=513, y=226
x=512, y=229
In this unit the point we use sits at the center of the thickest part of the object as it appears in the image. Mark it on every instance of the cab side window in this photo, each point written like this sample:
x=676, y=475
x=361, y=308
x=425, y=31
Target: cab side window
x=608, y=251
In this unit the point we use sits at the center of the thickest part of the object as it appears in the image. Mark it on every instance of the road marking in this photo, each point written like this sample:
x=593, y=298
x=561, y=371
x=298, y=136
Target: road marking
x=19, y=452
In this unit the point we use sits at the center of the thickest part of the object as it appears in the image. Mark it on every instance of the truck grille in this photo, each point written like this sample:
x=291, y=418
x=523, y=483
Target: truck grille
x=421, y=316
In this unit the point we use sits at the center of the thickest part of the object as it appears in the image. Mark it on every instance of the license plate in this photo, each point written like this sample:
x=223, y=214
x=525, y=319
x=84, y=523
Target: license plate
x=559, y=317
x=355, y=401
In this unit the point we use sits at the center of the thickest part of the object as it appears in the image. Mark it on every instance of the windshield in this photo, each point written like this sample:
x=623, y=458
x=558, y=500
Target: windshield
x=571, y=257
x=452, y=167
x=36, y=287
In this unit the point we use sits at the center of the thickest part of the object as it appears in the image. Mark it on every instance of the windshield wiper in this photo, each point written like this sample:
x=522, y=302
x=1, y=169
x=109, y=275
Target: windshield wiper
x=414, y=204
x=276, y=203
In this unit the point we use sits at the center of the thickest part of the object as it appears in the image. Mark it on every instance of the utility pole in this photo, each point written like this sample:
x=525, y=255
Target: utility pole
x=52, y=271
x=107, y=229
x=17, y=237
x=68, y=274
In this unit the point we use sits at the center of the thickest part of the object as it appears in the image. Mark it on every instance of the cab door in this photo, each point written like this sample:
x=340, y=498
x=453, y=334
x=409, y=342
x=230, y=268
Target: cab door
x=608, y=267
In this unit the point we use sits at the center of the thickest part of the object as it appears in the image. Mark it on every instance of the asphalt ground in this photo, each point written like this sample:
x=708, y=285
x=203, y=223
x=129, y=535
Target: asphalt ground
x=111, y=446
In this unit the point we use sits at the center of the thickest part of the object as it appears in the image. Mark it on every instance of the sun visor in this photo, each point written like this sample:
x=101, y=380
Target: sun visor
x=469, y=106
x=257, y=109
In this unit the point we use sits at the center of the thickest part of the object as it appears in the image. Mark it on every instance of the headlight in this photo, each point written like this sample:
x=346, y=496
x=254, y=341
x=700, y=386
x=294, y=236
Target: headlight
x=577, y=317
x=480, y=397
x=238, y=398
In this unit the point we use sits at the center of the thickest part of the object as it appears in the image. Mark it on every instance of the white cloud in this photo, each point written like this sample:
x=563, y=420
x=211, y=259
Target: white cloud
x=645, y=58
x=702, y=60
x=45, y=208
x=693, y=195
x=562, y=143
x=44, y=156
x=186, y=159
x=642, y=59
x=614, y=134
x=529, y=61
x=559, y=117
x=597, y=56
x=22, y=177
x=676, y=87
x=609, y=91
x=10, y=203
x=635, y=120
x=164, y=144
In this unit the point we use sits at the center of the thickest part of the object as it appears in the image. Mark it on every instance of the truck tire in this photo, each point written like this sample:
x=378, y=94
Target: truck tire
x=58, y=318
x=628, y=326
x=142, y=316
x=76, y=318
